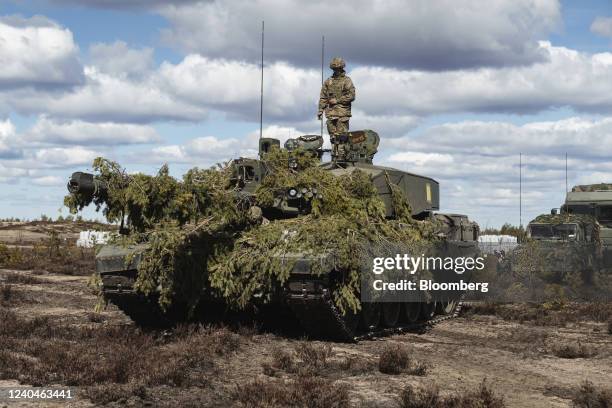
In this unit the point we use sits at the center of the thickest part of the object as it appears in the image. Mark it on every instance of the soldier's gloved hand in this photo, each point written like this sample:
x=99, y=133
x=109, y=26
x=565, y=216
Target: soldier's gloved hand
x=320, y=115
x=333, y=101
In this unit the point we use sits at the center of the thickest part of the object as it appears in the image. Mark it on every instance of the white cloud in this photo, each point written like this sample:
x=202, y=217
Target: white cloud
x=477, y=163
x=568, y=78
x=8, y=140
x=390, y=98
x=109, y=98
x=11, y=174
x=201, y=151
x=440, y=35
x=37, y=52
x=77, y=132
x=65, y=156
x=388, y=126
x=233, y=87
x=602, y=26
x=578, y=136
x=208, y=150
x=48, y=181
x=118, y=59
x=124, y=4
x=421, y=159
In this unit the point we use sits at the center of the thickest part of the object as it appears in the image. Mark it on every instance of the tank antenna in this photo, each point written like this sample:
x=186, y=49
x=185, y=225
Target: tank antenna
x=261, y=88
x=322, y=69
x=565, y=172
x=520, y=190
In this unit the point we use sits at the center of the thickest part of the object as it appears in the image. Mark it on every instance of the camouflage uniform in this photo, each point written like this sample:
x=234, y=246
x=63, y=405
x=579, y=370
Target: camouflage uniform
x=337, y=94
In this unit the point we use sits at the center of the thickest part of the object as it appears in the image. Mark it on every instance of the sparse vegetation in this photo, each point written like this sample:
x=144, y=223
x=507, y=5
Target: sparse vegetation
x=395, y=359
x=55, y=256
x=304, y=391
x=543, y=314
x=573, y=350
x=22, y=278
x=6, y=292
x=104, y=357
x=589, y=396
x=430, y=397
x=282, y=360
x=314, y=357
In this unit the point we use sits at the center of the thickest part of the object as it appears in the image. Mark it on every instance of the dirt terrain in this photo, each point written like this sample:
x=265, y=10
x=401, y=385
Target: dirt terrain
x=51, y=336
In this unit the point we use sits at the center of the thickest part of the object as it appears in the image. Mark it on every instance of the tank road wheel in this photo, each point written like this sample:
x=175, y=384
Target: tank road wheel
x=411, y=312
x=370, y=316
x=447, y=307
x=428, y=310
x=390, y=313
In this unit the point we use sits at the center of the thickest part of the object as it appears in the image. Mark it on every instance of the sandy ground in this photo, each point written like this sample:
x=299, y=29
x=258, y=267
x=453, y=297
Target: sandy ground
x=515, y=359
x=461, y=352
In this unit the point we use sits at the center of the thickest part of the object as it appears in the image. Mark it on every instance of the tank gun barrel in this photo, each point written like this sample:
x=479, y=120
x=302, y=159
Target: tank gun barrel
x=86, y=185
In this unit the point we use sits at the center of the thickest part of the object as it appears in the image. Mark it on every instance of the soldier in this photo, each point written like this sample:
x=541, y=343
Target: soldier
x=337, y=94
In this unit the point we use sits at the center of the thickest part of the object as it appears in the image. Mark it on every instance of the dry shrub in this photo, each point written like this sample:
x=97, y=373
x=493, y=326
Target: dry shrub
x=485, y=308
x=314, y=359
x=419, y=368
x=394, y=359
x=282, y=360
x=59, y=257
x=41, y=352
x=22, y=278
x=588, y=396
x=355, y=366
x=312, y=392
x=544, y=314
x=313, y=356
x=6, y=291
x=107, y=393
x=430, y=397
x=573, y=350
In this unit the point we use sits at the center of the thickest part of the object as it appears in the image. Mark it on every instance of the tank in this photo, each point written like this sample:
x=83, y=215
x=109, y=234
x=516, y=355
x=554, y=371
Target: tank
x=306, y=295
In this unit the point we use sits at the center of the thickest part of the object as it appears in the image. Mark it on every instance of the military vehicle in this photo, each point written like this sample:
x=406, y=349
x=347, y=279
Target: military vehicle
x=567, y=243
x=594, y=200
x=308, y=296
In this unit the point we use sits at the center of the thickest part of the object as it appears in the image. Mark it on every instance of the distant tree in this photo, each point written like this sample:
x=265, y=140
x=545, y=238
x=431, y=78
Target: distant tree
x=507, y=229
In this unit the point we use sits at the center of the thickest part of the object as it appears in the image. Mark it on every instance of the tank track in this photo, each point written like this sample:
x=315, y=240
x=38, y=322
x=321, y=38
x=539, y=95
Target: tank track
x=320, y=317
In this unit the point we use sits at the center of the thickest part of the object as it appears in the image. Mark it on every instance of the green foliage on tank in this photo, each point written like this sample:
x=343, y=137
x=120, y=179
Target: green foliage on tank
x=226, y=232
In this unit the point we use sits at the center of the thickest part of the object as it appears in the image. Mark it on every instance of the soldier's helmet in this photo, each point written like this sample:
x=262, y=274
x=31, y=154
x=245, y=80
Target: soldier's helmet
x=337, y=63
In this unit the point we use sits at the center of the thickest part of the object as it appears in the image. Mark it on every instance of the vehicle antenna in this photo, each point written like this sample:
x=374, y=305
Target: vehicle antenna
x=261, y=89
x=322, y=63
x=565, y=172
x=520, y=190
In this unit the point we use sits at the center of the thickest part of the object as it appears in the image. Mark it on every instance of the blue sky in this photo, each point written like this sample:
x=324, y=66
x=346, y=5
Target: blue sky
x=456, y=90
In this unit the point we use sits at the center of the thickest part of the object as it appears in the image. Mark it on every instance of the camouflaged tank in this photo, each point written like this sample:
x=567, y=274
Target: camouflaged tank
x=308, y=295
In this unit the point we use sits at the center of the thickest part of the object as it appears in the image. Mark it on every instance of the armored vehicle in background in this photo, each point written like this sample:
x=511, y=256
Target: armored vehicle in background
x=594, y=200
x=566, y=243
x=308, y=295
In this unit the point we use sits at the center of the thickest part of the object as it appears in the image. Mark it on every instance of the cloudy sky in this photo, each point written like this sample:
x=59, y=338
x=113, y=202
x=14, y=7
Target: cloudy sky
x=457, y=89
